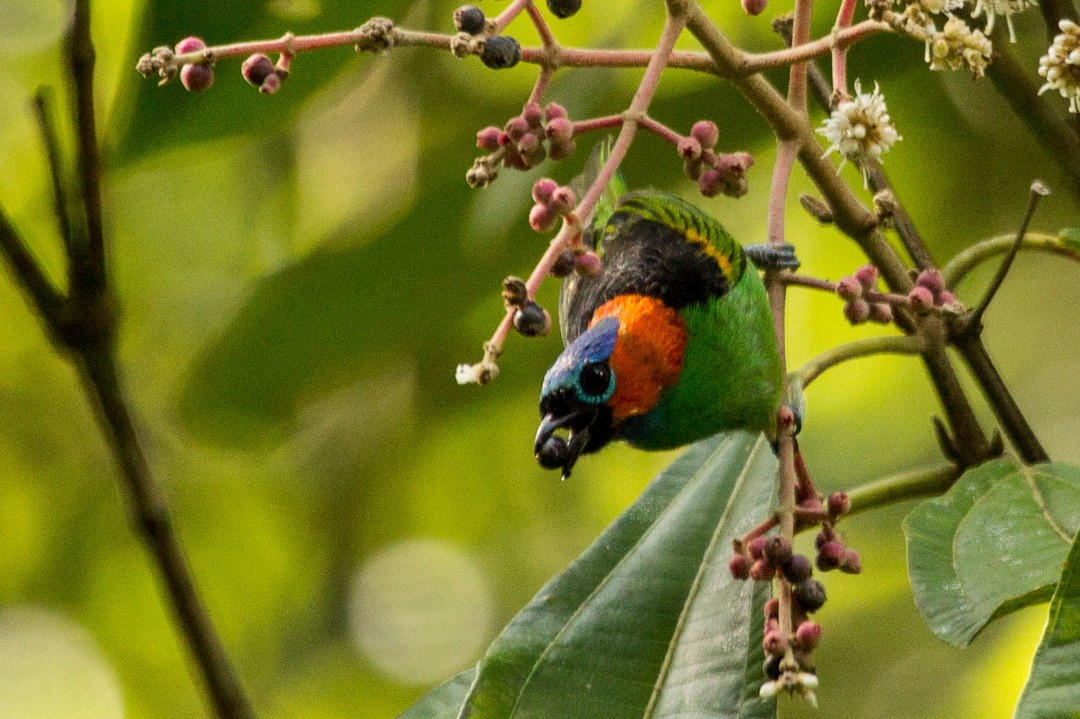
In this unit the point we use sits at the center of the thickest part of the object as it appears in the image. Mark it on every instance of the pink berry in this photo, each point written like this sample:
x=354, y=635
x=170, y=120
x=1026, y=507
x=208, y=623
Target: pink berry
x=710, y=183
x=807, y=635
x=947, y=298
x=271, y=84
x=689, y=148
x=190, y=44
x=733, y=165
x=197, y=78
x=830, y=555
x=562, y=200
x=542, y=190
x=705, y=132
x=554, y=111
x=541, y=218
x=921, y=299
x=762, y=571
x=693, y=169
x=849, y=288
x=516, y=127
x=756, y=547
x=839, y=503
x=851, y=563
x=931, y=280
x=857, y=311
x=881, y=313
x=772, y=608
x=528, y=144
x=754, y=7
x=867, y=275
x=774, y=643
x=256, y=69
x=739, y=566
x=488, y=138
x=559, y=130
x=588, y=264
x=560, y=150
x=532, y=115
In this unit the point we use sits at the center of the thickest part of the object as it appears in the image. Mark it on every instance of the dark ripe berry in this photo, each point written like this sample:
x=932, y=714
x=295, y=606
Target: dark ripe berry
x=756, y=547
x=762, y=571
x=197, y=78
x=257, y=68
x=771, y=667
x=839, y=503
x=470, y=19
x=541, y=218
x=488, y=138
x=553, y=454
x=797, y=569
x=852, y=563
x=848, y=288
x=706, y=132
x=807, y=635
x=830, y=555
x=501, y=52
x=190, y=44
x=739, y=566
x=532, y=320
x=921, y=299
x=777, y=551
x=564, y=264
x=810, y=594
x=754, y=7
x=772, y=608
x=774, y=643
x=563, y=8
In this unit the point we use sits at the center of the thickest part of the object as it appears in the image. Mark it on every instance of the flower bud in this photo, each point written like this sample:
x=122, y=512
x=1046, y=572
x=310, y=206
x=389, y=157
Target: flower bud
x=554, y=111
x=830, y=555
x=588, y=264
x=501, y=52
x=867, y=275
x=562, y=200
x=470, y=19
x=807, y=635
x=761, y=571
x=190, y=44
x=848, y=288
x=689, y=148
x=197, y=78
x=541, y=218
x=706, y=132
x=921, y=299
x=488, y=138
x=857, y=311
x=532, y=320
x=839, y=503
x=739, y=566
x=881, y=313
x=256, y=69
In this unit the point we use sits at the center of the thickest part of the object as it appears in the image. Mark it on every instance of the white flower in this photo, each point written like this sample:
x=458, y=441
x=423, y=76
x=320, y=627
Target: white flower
x=1061, y=65
x=1008, y=8
x=957, y=45
x=935, y=7
x=479, y=373
x=860, y=128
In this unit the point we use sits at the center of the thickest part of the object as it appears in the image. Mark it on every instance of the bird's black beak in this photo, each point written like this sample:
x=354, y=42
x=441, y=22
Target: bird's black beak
x=552, y=451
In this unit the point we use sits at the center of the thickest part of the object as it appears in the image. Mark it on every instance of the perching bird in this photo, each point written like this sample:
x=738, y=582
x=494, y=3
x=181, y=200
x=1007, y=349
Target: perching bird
x=671, y=342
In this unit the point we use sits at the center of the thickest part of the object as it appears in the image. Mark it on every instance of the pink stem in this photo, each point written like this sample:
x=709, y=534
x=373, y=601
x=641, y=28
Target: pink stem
x=839, y=52
x=660, y=130
x=756, y=62
x=512, y=11
x=598, y=123
x=546, y=37
x=542, y=82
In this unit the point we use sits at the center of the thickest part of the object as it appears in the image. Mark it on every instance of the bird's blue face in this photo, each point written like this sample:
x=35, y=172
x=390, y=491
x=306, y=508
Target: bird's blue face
x=574, y=395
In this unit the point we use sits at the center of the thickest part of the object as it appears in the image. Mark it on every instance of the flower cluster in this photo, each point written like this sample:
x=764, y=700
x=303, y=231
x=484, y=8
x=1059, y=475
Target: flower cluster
x=992, y=8
x=956, y=45
x=856, y=307
x=1061, y=64
x=860, y=128
x=716, y=173
x=523, y=142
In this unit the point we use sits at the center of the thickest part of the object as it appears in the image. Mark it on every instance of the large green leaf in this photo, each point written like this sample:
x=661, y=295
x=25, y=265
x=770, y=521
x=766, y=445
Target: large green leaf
x=647, y=622
x=992, y=544
x=444, y=701
x=1053, y=689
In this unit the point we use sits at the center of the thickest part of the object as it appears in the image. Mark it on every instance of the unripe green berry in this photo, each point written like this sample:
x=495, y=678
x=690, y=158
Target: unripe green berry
x=532, y=320
x=810, y=594
x=256, y=69
x=470, y=19
x=197, y=78
x=563, y=8
x=501, y=52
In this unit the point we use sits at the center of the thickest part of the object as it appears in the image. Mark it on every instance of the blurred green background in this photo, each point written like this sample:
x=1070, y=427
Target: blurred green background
x=301, y=273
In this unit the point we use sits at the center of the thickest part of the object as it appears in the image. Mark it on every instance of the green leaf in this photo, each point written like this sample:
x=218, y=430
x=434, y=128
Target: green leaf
x=444, y=701
x=647, y=622
x=992, y=544
x=1053, y=688
x=1071, y=237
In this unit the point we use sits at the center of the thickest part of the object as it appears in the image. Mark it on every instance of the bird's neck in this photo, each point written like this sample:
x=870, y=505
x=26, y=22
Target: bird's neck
x=648, y=354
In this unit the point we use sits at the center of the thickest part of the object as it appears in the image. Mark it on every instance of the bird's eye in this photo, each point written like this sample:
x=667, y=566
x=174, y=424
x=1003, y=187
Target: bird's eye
x=595, y=378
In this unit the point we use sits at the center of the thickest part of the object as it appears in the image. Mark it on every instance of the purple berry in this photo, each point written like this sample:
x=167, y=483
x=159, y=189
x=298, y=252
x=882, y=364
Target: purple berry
x=256, y=69
x=563, y=8
x=857, y=311
x=762, y=571
x=839, y=503
x=739, y=566
x=470, y=19
x=532, y=320
x=689, y=148
x=710, y=183
x=810, y=594
x=706, y=132
x=532, y=115
x=541, y=218
x=867, y=275
x=501, y=52
x=197, y=78
x=852, y=563
x=931, y=280
x=797, y=569
x=190, y=44
x=777, y=551
x=756, y=547
x=754, y=7
x=564, y=264
x=542, y=190
x=554, y=111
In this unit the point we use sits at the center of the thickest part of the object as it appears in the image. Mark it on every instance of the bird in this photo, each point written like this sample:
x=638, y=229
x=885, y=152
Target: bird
x=671, y=342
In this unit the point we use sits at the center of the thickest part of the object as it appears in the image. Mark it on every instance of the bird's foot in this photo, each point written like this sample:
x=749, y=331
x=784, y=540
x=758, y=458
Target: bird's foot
x=767, y=256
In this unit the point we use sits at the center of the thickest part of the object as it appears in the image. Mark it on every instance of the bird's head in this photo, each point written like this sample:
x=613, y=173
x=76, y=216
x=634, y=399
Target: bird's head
x=615, y=370
x=575, y=396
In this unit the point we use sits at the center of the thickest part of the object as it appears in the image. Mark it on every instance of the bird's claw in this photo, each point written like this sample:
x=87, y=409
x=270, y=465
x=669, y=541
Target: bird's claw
x=773, y=257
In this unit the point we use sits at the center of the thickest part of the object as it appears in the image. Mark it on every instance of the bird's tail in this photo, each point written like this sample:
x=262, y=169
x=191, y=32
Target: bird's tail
x=615, y=189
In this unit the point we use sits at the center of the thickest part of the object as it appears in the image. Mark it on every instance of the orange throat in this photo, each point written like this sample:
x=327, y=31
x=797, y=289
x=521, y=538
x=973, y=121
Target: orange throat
x=648, y=353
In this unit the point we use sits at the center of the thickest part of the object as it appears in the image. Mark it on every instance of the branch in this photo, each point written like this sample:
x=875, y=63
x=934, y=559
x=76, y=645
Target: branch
x=751, y=63
x=958, y=268
x=43, y=113
x=928, y=482
x=890, y=344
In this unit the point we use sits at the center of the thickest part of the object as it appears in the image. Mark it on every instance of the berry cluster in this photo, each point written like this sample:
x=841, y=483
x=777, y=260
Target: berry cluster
x=530, y=319
x=929, y=291
x=552, y=202
x=475, y=37
x=523, y=143
x=715, y=173
x=856, y=309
